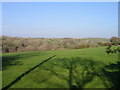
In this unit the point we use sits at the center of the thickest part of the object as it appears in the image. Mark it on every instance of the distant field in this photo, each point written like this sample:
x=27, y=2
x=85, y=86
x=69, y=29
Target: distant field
x=97, y=39
x=83, y=68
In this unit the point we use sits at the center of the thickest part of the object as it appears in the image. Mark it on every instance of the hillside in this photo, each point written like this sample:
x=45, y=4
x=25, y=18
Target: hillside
x=17, y=44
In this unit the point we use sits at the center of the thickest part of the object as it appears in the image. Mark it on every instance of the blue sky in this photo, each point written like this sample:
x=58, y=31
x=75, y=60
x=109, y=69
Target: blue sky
x=0, y=18
x=60, y=19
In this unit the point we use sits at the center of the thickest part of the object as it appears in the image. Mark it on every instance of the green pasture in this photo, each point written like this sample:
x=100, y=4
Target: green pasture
x=81, y=68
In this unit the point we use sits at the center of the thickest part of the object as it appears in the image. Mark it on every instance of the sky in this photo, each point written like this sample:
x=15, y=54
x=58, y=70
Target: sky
x=0, y=18
x=60, y=19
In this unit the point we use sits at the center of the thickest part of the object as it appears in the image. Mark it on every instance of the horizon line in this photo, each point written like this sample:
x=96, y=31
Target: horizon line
x=56, y=37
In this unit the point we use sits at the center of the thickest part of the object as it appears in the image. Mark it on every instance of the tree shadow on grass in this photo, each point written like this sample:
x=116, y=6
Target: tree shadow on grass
x=112, y=72
x=12, y=60
x=80, y=71
x=27, y=72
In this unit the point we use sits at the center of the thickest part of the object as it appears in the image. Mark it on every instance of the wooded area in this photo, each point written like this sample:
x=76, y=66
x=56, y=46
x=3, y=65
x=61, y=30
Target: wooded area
x=17, y=44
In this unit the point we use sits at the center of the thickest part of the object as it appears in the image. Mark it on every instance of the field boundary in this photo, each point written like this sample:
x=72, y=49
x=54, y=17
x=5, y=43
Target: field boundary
x=25, y=73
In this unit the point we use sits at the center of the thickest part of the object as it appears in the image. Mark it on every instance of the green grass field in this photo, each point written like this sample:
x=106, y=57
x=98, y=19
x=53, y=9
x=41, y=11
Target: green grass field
x=82, y=68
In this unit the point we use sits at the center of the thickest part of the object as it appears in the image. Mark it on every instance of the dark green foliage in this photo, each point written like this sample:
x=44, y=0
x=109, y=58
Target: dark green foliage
x=109, y=50
x=115, y=40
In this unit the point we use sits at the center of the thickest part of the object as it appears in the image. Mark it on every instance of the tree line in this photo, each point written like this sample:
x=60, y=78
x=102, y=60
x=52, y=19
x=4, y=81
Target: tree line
x=18, y=44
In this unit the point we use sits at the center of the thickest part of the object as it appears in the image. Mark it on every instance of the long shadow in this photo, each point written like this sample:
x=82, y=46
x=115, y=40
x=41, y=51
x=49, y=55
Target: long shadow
x=25, y=73
x=81, y=71
x=112, y=72
x=10, y=60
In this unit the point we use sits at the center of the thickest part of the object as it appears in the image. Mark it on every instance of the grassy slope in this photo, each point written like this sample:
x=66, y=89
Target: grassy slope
x=0, y=71
x=0, y=79
x=55, y=72
x=21, y=63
